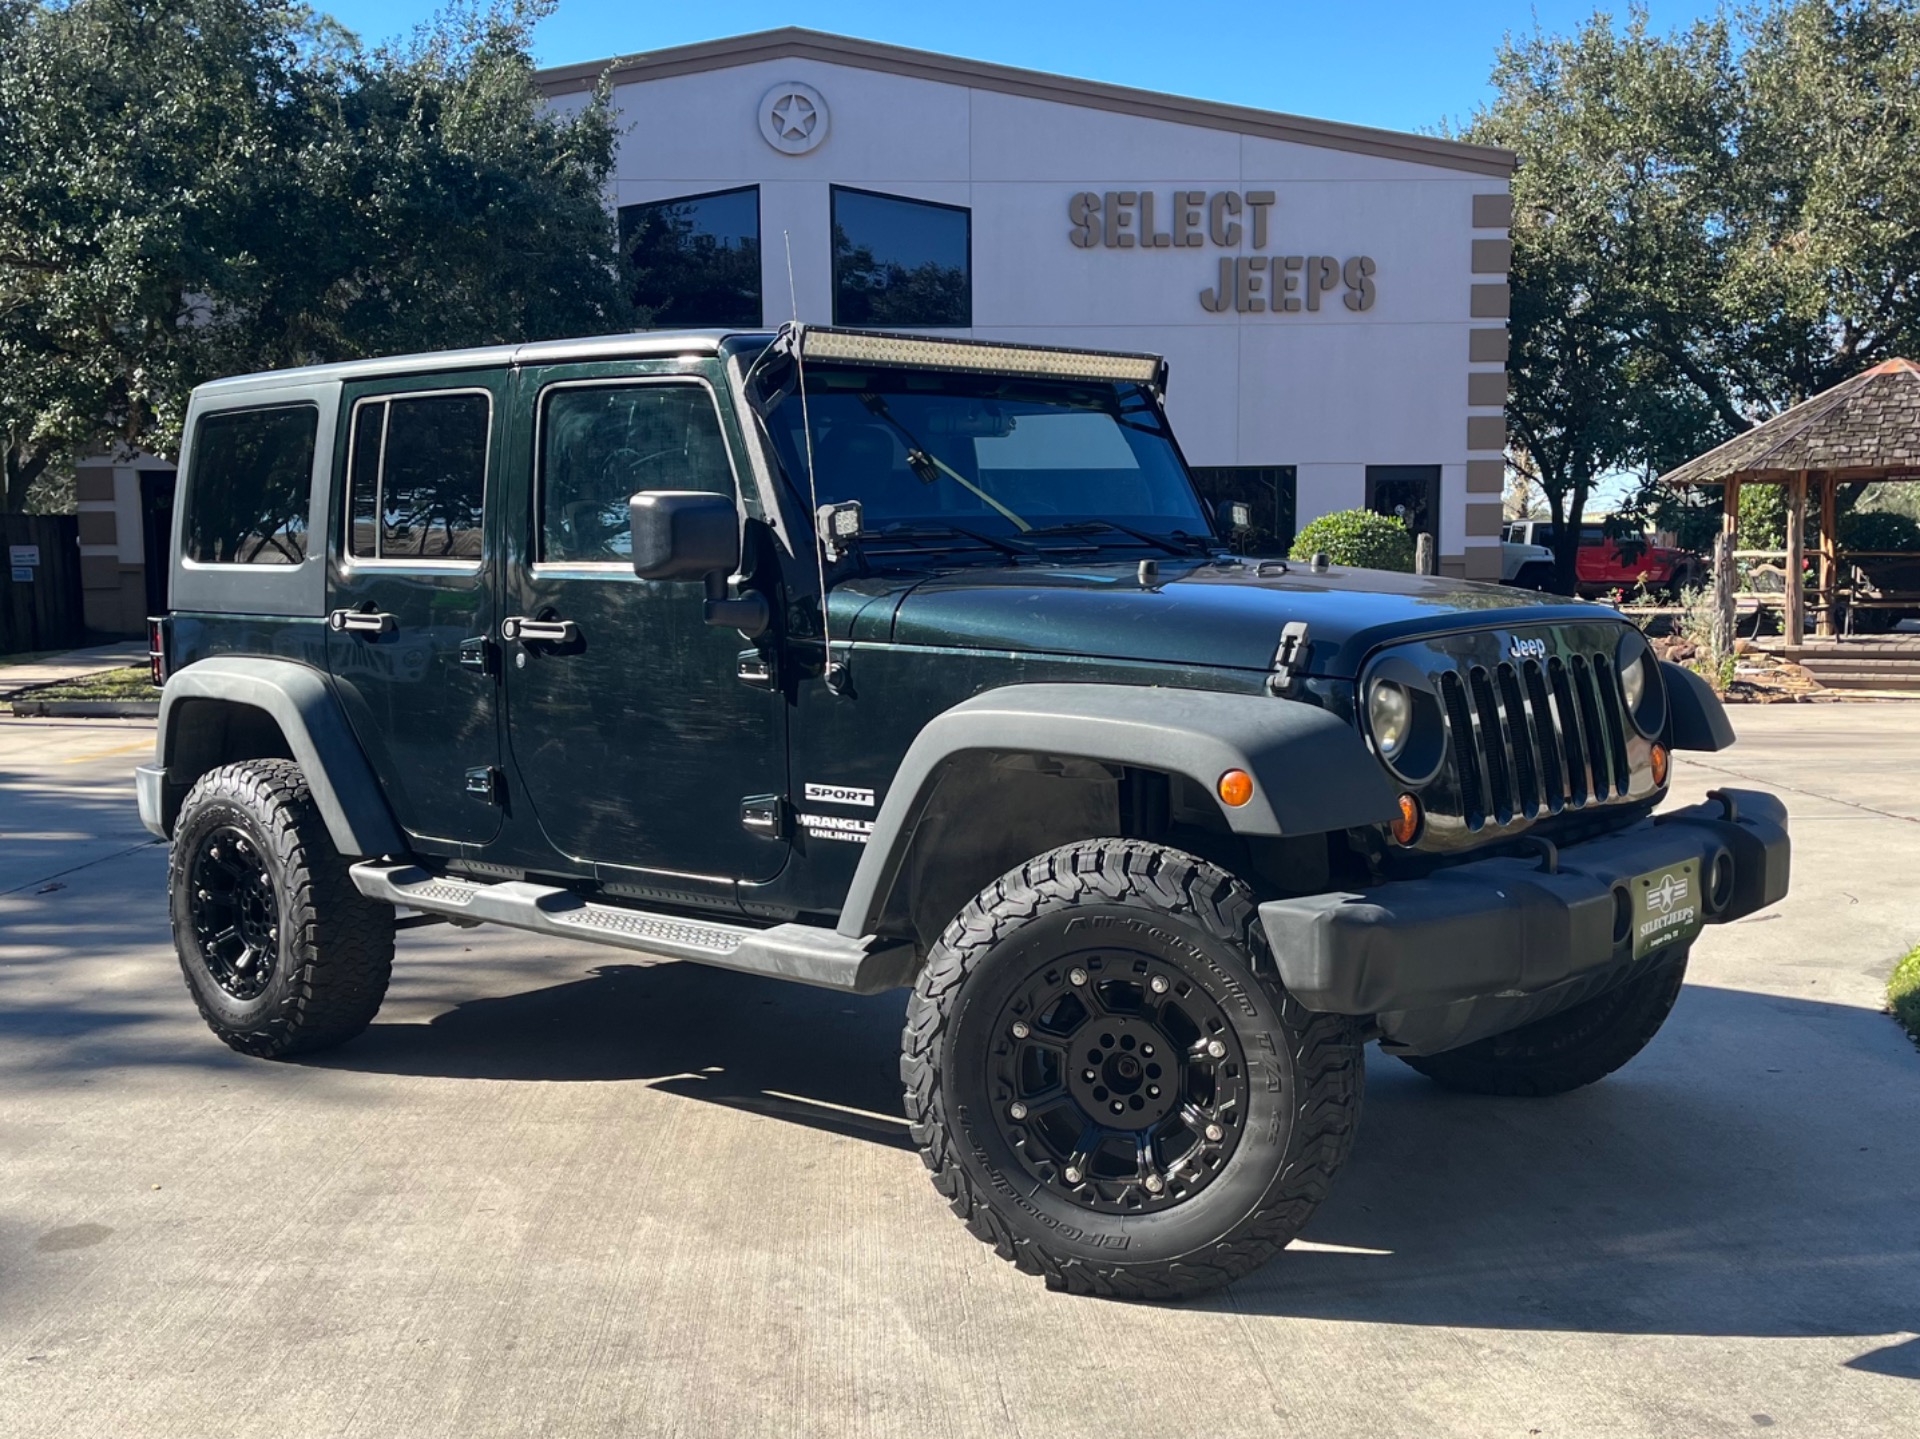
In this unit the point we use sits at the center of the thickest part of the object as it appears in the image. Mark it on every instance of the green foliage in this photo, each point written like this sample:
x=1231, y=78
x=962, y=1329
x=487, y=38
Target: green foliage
x=1763, y=518
x=1358, y=537
x=1878, y=530
x=1709, y=226
x=194, y=188
x=1903, y=994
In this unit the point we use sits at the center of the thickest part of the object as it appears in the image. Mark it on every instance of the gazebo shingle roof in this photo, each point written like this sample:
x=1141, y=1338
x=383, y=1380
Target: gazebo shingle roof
x=1865, y=428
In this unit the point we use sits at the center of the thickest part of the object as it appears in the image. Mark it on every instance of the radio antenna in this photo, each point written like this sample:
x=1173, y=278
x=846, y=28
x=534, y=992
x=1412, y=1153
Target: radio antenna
x=813, y=483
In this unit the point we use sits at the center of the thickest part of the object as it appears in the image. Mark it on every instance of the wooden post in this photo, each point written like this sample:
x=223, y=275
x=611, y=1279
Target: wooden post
x=1796, y=560
x=1829, y=558
x=1423, y=554
x=1723, y=581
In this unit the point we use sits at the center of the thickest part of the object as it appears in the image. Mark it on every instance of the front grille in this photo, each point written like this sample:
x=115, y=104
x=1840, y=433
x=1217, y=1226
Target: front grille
x=1535, y=737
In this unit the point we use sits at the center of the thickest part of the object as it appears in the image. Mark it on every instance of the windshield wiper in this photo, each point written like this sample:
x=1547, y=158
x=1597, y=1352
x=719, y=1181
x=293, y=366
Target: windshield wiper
x=1177, y=543
x=946, y=530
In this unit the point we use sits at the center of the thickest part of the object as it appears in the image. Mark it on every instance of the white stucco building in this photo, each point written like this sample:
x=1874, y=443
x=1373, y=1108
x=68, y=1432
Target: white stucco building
x=1332, y=299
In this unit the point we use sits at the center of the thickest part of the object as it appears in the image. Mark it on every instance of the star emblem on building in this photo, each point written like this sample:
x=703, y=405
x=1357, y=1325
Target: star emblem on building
x=794, y=117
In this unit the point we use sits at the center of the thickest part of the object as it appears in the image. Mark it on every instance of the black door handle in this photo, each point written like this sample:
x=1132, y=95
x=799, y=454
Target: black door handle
x=361, y=622
x=538, y=632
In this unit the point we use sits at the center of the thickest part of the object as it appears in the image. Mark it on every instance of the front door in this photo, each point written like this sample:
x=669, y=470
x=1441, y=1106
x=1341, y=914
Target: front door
x=410, y=601
x=635, y=738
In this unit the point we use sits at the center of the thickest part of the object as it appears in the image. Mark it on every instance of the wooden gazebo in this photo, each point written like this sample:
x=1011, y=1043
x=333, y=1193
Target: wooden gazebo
x=1865, y=428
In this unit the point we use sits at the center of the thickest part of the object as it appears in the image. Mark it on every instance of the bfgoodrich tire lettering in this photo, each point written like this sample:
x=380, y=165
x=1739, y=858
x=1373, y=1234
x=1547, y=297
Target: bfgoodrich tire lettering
x=1567, y=1050
x=301, y=963
x=1127, y=910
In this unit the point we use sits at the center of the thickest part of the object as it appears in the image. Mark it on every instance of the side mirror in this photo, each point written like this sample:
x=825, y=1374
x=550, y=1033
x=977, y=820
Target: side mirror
x=683, y=534
x=695, y=535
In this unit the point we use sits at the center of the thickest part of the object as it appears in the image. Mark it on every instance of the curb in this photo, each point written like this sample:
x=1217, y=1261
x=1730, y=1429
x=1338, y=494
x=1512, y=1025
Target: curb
x=86, y=709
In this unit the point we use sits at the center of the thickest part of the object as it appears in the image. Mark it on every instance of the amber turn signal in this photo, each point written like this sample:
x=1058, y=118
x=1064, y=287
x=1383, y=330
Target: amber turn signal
x=1660, y=761
x=1406, y=828
x=1236, y=788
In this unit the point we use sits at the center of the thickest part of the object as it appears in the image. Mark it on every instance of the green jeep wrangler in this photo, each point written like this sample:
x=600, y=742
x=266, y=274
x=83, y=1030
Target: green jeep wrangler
x=872, y=661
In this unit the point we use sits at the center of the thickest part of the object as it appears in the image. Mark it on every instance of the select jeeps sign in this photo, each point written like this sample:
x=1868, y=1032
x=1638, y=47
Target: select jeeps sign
x=1250, y=284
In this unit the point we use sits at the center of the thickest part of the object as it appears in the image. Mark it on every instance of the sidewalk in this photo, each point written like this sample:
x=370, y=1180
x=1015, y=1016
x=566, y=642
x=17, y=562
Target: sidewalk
x=71, y=665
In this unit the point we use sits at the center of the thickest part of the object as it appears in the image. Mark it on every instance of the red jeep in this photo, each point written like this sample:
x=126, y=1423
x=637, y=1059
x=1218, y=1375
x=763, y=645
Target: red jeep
x=1603, y=564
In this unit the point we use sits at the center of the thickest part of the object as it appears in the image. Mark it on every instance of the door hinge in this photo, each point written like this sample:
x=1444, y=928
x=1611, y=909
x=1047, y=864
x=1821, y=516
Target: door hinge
x=486, y=783
x=764, y=815
x=755, y=669
x=476, y=654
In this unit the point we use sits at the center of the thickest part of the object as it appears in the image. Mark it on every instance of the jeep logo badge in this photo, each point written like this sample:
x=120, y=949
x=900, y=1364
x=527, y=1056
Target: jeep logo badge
x=1528, y=649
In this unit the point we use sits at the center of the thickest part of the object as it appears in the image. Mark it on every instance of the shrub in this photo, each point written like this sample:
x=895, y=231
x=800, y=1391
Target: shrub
x=1358, y=537
x=1878, y=530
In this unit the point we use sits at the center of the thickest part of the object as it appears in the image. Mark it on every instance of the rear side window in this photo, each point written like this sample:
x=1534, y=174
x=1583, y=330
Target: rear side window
x=600, y=444
x=417, y=477
x=251, y=481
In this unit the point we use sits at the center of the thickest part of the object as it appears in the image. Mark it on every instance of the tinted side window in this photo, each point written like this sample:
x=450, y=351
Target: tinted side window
x=600, y=444
x=696, y=260
x=417, y=483
x=252, y=477
x=900, y=262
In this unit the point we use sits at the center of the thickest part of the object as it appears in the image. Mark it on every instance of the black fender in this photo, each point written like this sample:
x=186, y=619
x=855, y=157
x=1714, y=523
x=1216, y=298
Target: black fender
x=298, y=699
x=1697, y=718
x=1312, y=772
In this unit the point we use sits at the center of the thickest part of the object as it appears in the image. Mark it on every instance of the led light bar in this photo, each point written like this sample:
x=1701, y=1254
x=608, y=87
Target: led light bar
x=873, y=347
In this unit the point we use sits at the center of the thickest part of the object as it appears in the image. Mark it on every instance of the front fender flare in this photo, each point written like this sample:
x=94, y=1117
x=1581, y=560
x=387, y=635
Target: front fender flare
x=299, y=700
x=1312, y=771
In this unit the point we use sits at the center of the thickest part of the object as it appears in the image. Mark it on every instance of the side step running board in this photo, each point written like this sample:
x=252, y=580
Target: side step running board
x=804, y=952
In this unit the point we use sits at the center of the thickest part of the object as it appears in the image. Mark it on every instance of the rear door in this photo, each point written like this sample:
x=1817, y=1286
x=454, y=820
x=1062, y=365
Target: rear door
x=634, y=735
x=410, y=601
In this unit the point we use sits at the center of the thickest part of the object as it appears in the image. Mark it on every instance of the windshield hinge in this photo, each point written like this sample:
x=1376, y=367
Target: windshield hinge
x=1289, y=657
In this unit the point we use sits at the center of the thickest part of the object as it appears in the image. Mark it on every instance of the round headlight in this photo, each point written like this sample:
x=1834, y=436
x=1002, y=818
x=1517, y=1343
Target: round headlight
x=1640, y=688
x=1389, y=716
x=1633, y=682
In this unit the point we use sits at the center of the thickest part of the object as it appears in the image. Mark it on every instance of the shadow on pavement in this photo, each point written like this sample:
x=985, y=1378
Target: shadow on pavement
x=1752, y=1174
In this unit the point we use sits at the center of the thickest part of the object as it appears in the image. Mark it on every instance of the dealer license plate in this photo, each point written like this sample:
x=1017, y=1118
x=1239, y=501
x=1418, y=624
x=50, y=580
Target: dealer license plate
x=1666, y=908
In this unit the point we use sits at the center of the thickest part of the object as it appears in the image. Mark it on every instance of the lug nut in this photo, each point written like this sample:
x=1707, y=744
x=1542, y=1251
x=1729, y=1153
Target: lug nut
x=1118, y=1107
x=1017, y=1110
x=1076, y=976
x=1089, y=1075
x=1155, y=1183
x=1159, y=984
x=266, y=880
x=1072, y=1175
x=1217, y=1049
x=1153, y=1091
x=1216, y=1133
x=1020, y=1030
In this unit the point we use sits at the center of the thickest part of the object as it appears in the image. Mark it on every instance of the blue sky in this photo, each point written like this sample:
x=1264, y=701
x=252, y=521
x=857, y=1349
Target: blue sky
x=1397, y=64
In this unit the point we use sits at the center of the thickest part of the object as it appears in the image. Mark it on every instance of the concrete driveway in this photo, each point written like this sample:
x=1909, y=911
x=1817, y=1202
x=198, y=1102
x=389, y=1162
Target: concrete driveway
x=556, y=1192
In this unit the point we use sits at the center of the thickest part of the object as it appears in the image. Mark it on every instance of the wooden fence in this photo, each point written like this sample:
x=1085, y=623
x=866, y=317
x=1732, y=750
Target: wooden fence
x=40, y=605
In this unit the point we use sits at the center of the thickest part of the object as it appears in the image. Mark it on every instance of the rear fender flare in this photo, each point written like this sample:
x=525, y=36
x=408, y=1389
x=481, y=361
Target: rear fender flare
x=1312, y=772
x=298, y=699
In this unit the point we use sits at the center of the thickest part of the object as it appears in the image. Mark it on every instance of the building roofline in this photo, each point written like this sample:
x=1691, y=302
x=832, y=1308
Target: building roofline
x=795, y=43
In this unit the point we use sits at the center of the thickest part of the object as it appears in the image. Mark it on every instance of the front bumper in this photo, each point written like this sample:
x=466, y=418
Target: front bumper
x=1486, y=946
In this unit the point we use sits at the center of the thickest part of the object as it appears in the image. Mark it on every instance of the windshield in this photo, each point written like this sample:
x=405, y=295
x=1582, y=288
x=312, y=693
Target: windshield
x=975, y=456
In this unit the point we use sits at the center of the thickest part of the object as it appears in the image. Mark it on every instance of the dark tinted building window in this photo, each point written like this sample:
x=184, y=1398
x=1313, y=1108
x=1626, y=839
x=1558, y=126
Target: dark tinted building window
x=599, y=445
x=900, y=262
x=695, y=262
x=418, y=477
x=252, y=478
x=1269, y=490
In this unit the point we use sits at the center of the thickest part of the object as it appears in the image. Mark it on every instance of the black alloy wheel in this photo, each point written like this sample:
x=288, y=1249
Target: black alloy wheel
x=281, y=953
x=235, y=911
x=1126, y=1081
x=1109, y=1082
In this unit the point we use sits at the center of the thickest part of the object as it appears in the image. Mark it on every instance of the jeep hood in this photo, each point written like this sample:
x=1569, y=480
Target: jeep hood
x=1194, y=613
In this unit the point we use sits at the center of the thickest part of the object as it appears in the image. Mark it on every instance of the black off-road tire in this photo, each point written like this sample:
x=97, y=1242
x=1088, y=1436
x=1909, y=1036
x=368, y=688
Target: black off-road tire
x=331, y=950
x=1127, y=909
x=1565, y=1051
